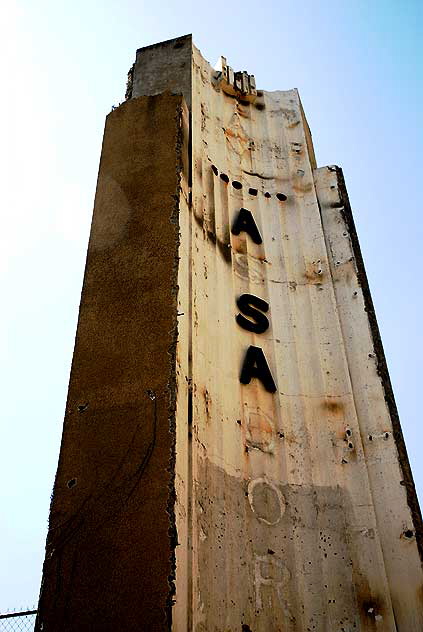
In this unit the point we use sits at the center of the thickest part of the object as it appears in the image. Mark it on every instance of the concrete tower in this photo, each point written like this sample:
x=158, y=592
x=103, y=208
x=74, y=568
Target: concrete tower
x=232, y=458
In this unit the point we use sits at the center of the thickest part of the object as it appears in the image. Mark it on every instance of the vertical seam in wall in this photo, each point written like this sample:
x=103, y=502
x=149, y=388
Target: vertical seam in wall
x=190, y=385
x=172, y=382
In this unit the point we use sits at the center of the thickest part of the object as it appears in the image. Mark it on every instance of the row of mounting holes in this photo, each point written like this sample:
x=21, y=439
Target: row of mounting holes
x=237, y=185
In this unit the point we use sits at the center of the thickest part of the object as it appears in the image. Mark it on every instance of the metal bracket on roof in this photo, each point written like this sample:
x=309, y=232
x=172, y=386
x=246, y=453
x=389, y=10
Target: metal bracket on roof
x=239, y=84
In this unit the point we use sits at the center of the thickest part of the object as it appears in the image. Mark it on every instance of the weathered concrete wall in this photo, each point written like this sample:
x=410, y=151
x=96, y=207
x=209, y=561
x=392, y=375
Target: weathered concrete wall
x=165, y=66
x=110, y=548
x=294, y=507
x=296, y=520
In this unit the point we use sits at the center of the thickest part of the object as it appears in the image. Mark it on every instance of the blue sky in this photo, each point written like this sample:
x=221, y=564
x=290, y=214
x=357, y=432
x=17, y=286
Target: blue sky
x=358, y=68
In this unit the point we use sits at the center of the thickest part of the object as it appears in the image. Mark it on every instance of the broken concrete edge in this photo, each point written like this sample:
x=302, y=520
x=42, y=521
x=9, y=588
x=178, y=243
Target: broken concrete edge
x=308, y=135
x=172, y=384
x=382, y=367
x=181, y=38
x=130, y=83
x=75, y=337
x=38, y=624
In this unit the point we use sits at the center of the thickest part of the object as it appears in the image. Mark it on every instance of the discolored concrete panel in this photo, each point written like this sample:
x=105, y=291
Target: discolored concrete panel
x=264, y=543
x=165, y=66
x=110, y=547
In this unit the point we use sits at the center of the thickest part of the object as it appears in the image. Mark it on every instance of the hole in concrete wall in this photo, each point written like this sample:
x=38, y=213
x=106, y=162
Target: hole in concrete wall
x=215, y=171
x=260, y=106
x=408, y=534
x=72, y=483
x=82, y=408
x=370, y=438
x=281, y=197
x=236, y=184
x=224, y=177
x=252, y=191
x=267, y=194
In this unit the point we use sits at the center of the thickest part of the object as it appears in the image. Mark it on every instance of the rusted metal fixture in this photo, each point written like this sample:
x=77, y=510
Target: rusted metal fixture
x=239, y=84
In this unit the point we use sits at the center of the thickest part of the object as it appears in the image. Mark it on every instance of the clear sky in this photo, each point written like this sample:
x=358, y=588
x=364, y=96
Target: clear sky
x=358, y=66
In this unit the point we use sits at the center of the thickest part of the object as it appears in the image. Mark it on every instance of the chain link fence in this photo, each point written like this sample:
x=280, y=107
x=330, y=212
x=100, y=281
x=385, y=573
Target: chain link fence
x=18, y=621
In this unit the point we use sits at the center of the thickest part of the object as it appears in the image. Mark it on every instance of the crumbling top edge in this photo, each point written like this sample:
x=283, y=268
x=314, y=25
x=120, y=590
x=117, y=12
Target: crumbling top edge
x=166, y=42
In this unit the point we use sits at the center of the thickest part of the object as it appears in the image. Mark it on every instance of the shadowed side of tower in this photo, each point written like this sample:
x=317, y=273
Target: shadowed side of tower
x=110, y=548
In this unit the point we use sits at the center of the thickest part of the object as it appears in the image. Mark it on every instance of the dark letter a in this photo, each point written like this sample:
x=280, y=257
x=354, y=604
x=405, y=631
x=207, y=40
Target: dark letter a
x=244, y=222
x=255, y=365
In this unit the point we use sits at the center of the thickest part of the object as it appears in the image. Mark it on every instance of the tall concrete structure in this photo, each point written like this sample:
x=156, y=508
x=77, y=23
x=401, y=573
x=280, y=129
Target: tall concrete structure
x=232, y=458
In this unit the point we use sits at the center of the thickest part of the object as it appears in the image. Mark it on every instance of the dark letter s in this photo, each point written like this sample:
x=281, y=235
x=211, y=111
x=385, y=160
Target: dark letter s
x=248, y=303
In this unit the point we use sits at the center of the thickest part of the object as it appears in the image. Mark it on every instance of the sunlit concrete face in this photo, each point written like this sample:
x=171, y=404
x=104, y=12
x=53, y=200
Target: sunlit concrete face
x=282, y=476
